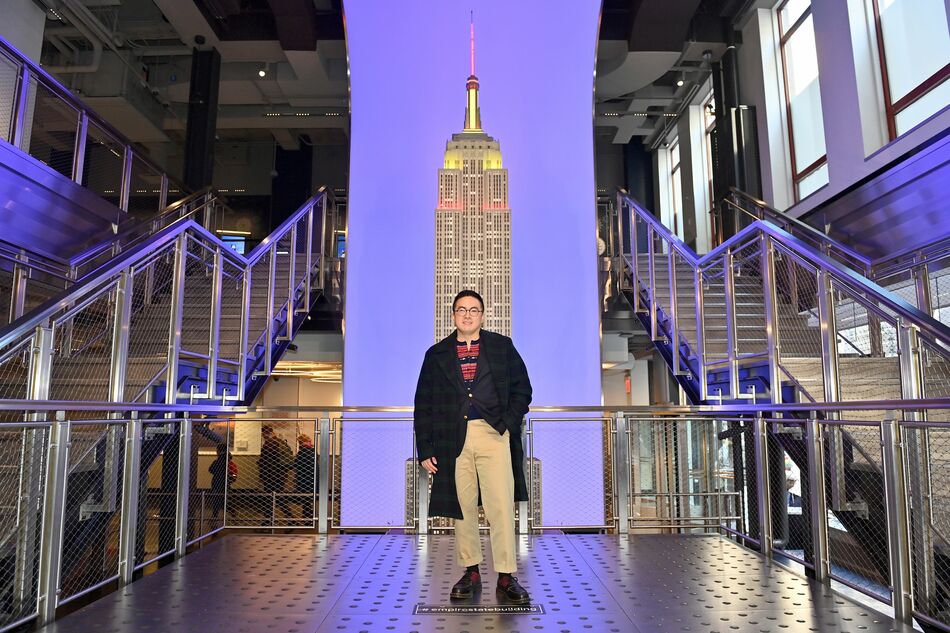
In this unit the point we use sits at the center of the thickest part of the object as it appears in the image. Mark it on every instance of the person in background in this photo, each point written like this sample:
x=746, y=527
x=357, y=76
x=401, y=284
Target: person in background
x=275, y=462
x=223, y=473
x=306, y=479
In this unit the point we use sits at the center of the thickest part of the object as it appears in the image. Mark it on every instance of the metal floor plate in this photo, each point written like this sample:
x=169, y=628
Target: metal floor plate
x=365, y=583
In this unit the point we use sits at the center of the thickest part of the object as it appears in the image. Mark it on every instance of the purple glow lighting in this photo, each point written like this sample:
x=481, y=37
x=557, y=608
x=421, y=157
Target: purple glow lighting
x=408, y=97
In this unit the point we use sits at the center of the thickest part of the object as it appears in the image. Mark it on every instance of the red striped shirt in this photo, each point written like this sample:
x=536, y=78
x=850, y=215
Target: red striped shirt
x=468, y=360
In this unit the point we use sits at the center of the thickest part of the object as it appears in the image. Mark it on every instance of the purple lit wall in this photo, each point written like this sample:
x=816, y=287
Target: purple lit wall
x=408, y=66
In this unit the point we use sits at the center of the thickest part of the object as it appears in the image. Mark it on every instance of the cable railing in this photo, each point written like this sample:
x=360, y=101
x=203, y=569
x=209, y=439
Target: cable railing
x=177, y=315
x=45, y=120
x=754, y=473
x=754, y=298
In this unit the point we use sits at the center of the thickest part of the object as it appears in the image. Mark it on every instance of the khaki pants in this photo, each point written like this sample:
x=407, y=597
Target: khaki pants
x=485, y=462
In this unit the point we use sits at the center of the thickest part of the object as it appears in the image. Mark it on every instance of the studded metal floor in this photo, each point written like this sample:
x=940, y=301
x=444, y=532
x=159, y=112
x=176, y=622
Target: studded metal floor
x=370, y=583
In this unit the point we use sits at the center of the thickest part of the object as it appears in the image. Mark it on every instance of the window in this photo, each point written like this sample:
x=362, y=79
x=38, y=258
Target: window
x=806, y=130
x=914, y=50
x=676, y=186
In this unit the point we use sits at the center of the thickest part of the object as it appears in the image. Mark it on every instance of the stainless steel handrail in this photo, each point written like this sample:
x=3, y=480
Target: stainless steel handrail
x=933, y=329
x=115, y=276
x=171, y=210
x=797, y=226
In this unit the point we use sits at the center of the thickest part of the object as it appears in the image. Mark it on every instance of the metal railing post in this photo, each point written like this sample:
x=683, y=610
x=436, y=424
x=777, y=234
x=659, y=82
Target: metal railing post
x=917, y=448
x=269, y=336
x=207, y=212
x=41, y=364
x=130, y=499
x=828, y=329
x=762, y=489
x=634, y=257
x=177, y=310
x=126, y=190
x=21, y=275
x=729, y=287
x=772, y=337
x=184, y=487
x=323, y=503
x=245, y=335
x=674, y=312
x=622, y=470
x=422, y=498
x=214, y=334
x=527, y=507
x=898, y=537
x=120, y=337
x=163, y=192
x=921, y=275
x=817, y=502
x=291, y=282
x=79, y=152
x=323, y=242
x=51, y=539
x=308, y=278
x=651, y=249
x=22, y=106
x=700, y=334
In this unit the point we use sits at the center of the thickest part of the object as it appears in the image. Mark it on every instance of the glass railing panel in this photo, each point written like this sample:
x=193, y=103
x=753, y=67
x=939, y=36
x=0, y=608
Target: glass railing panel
x=9, y=71
x=49, y=129
x=104, y=159
x=145, y=189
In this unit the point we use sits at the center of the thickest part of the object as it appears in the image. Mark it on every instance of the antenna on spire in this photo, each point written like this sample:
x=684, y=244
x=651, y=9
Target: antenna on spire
x=472, y=34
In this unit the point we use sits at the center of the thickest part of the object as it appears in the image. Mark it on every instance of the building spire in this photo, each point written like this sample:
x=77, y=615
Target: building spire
x=473, y=118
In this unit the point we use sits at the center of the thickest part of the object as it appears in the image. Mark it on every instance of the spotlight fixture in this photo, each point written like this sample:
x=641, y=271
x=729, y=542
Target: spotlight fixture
x=679, y=82
x=262, y=71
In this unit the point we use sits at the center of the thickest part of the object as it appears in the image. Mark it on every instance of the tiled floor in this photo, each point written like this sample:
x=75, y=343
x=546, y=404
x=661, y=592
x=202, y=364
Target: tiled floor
x=355, y=583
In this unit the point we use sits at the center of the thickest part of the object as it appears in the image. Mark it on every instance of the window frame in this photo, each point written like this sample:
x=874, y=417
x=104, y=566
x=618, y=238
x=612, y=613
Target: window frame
x=677, y=205
x=797, y=176
x=891, y=108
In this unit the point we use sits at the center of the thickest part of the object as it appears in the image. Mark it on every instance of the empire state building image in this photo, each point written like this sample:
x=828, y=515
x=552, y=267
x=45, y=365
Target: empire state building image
x=473, y=222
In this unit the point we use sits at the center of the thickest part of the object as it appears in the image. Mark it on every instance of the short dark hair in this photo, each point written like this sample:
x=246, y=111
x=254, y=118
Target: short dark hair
x=468, y=293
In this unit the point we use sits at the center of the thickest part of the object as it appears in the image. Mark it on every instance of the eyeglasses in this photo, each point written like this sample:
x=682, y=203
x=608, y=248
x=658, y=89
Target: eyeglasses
x=465, y=311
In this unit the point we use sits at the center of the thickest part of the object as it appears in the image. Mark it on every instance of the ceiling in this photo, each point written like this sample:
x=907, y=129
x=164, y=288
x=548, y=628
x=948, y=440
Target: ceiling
x=646, y=48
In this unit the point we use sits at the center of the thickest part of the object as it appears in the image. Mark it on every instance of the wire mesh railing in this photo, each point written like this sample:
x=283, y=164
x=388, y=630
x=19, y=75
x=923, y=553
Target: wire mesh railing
x=858, y=500
x=771, y=305
x=170, y=318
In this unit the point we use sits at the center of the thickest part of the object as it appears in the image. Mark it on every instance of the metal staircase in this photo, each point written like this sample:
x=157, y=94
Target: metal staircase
x=782, y=314
x=178, y=317
x=767, y=316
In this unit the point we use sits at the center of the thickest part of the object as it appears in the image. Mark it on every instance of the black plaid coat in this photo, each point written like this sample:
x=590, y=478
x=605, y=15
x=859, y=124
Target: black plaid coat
x=439, y=406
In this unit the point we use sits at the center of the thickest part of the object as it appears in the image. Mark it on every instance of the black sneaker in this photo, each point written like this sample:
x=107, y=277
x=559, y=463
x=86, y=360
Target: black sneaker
x=470, y=582
x=509, y=589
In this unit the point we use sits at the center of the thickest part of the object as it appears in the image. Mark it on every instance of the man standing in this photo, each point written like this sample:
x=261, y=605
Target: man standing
x=272, y=466
x=472, y=394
